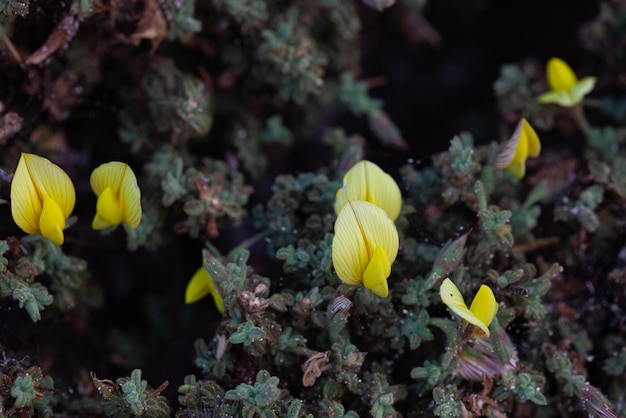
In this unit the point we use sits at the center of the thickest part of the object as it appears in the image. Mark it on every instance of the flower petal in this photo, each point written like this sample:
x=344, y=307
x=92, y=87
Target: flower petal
x=200, y=285
x=534, y=146
x=360, y=228
x=484, y=305
x=521, y=149
x=562, y=98
x=108, y=175
x=517, y=170
x=26, y=204
x=367, y=181
x=52, y=221
x=98, y=223
x=376, y=273
x=349, y=252
x=523, y=143
x=49, y=179
x=560, y=75
x=121, y=180
x=108, y=208
x=452, y=298
x=354, y=186
x=383, y=190
x=130, y=197
x=582, y=88
x=376, y=228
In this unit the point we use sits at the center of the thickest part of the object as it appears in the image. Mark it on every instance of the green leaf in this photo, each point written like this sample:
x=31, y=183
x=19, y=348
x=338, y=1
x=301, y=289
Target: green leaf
x=134, y=391
x=23, y=391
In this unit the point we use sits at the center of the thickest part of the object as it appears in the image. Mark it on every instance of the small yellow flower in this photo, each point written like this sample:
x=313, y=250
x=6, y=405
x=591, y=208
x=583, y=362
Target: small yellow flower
x=565, y=89
x=42, y=197
x=481, y=311
x=367, y=181
x=200, y=285
x=364, y=246
x=523, y=143
x=119, y=198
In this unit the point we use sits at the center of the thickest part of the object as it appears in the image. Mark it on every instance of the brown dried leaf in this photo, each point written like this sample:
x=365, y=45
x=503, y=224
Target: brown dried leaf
x=106, y=388
x=152, y=26
x=314, y=367
x=10, y=123
x=59, y=38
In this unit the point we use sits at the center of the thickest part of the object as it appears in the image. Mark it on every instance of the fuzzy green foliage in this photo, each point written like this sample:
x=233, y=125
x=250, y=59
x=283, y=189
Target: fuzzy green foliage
x=131, y=397
x=16, y=7
x=24, y=391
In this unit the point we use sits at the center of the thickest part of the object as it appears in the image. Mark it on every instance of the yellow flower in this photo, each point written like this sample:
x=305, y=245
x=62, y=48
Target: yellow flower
x=365, y=245
x=200, y=285
x=482, y=310
x=42, y=197
x=367, y=181
x=565, y=89
x=119, y=198
x=523, y=143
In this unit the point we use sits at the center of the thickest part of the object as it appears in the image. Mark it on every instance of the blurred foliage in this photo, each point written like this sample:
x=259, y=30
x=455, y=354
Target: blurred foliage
x=231, y=114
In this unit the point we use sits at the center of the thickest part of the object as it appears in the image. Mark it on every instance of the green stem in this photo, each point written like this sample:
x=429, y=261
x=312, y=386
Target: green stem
x=479, y=189
x=581, y=120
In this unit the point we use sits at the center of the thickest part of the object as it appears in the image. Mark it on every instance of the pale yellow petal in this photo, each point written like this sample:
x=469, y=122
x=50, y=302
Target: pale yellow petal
x=582, y=88
x=49, y=179
x=562, y=98
x=484, y=305
x=108, y=207
x=452, y=298
x=523, y=143
x=534, y=146
x=25, y=201
x=377, y=272
x=354, y=186
x=52, y=221
x=376, y=228
x=108, y=175
x=350, y=256
x=99, y=224
x=367, y=181
x=510, y=149
x=383, y=191
x=130, y=198
x=340, y=201
x=517, y=170
x=560, y=75
x=521, y=150
x=200, y=285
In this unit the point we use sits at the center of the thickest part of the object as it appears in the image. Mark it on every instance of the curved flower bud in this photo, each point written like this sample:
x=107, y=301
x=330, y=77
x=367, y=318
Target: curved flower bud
x=523, y=143
x=565, y=89
x=42, y=197
x=200, y=285
x=367, y=181
x=119, y=198
x=481, y=311
x=364, y=246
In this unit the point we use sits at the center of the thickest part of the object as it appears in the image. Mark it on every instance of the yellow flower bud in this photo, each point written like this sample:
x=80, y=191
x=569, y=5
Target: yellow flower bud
x=364, y=246
x=119, y=198
x=42, y=197
x=565, y=89
x=481, y=311
x=367, y=181
x=523, y=143
x=200, y=285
